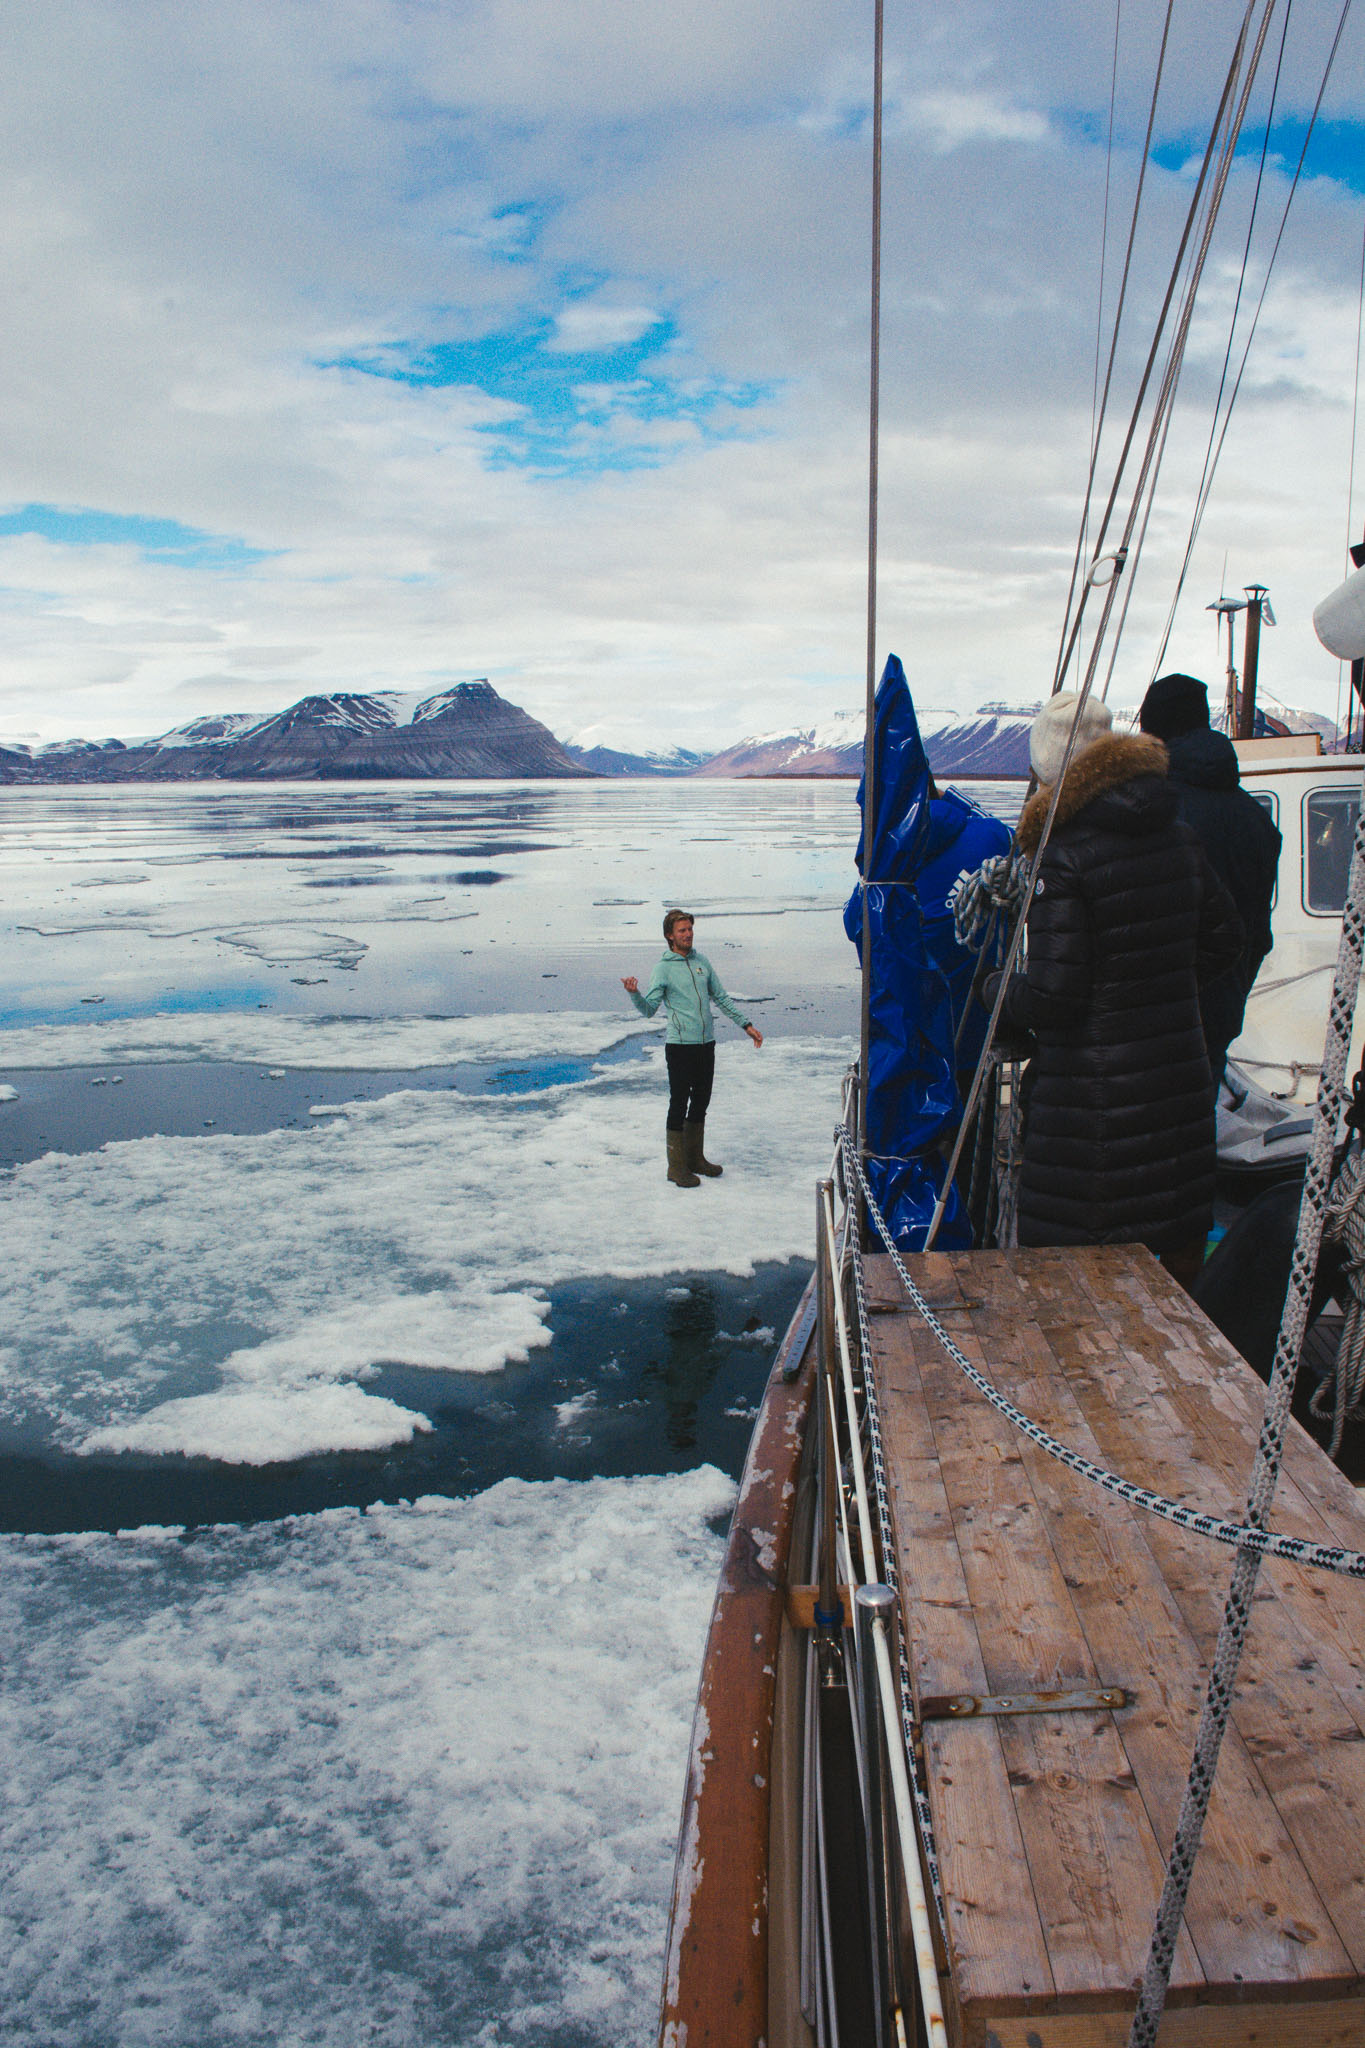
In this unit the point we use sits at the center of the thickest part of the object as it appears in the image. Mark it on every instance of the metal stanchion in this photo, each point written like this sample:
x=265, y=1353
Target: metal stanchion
x=829, y=1616
x=874, y=1605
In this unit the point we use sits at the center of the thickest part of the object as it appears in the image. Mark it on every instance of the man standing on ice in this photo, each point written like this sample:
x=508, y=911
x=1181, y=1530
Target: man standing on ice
x=687, y=984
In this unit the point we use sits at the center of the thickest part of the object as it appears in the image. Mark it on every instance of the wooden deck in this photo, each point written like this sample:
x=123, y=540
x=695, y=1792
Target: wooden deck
x=1053, y=1828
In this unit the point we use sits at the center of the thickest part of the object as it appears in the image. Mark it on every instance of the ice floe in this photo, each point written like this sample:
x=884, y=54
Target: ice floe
x=265, y=1039
x=159, y=1290
x=407, y=1777
x=285, y=1399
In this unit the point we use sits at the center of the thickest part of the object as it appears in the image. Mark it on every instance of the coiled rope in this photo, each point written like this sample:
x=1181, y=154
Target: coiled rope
x=978, y=898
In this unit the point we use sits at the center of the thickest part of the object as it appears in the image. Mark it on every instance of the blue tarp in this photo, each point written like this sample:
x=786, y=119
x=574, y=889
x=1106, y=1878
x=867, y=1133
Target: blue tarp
x=921, y=977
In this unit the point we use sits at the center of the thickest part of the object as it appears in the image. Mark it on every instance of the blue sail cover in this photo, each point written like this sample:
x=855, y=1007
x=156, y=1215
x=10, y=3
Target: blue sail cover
x=921, y=977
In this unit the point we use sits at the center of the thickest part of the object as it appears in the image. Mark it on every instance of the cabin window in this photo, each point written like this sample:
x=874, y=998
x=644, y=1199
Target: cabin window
x=1329, y=826
x=1269, y=803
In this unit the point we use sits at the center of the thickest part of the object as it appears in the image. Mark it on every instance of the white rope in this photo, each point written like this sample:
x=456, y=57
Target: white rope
x=891, y=1571
x=1342, y=1396
x=1232, y=1635
x=980, y=895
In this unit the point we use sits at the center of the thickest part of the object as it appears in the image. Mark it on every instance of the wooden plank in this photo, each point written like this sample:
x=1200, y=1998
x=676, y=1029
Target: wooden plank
x=801, y=1603
x=1020, y=1574
x=1327, y=2025
x=1300, y=1697
x=995, y=1934
x=1247, y=1906
x=1095, y=1863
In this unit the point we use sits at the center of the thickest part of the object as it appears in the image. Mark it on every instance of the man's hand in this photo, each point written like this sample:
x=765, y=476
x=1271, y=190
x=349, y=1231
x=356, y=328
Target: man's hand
x=630, y=984
x=752, y=1031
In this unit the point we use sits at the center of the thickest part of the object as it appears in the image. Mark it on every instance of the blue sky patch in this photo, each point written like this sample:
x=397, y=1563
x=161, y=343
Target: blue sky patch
x=613, y=404
x=158, y=540
x=1337, y=150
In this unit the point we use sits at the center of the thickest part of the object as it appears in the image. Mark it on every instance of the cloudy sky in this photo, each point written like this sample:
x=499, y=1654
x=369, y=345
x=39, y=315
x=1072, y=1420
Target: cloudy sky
x=360, y=344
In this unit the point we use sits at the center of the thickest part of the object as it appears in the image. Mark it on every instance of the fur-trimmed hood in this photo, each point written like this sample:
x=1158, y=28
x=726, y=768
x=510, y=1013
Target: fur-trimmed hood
x=1105, y=765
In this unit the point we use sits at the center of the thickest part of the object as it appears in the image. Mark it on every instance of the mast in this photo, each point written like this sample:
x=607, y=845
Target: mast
x=1227, y=609
x=874, y=409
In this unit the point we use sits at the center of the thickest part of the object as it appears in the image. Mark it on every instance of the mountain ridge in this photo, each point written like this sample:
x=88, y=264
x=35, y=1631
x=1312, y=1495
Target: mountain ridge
x=467, y=730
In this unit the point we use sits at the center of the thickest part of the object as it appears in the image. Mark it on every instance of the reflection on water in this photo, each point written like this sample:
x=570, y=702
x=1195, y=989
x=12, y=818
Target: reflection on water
x=437, y=898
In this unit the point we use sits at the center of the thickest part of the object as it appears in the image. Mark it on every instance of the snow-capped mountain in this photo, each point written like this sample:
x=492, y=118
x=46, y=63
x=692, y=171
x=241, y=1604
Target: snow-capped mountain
x=992, y=742
x=604, y=760
x=467, y=730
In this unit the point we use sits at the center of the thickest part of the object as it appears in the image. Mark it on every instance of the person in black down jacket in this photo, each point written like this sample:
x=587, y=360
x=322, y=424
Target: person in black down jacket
x=1127, y=921
x=1240, y=842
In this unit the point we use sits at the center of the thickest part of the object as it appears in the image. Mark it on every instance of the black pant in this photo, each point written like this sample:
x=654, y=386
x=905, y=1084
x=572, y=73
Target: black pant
x=691, y=1070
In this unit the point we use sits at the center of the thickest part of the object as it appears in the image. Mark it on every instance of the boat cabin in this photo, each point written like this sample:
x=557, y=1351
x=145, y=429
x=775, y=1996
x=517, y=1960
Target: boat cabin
x=1315, y=800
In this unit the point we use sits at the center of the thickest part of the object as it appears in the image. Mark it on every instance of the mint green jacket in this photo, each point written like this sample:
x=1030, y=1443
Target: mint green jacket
x=687, y=984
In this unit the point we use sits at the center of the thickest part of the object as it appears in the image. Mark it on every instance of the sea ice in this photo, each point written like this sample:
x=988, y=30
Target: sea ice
x=282, y=1400
x=266, y=1039
x=407, y=1777
x=158, y=1274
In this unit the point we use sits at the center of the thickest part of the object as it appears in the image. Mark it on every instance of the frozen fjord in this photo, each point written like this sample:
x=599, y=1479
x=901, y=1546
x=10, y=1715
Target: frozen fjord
x=307, y=1780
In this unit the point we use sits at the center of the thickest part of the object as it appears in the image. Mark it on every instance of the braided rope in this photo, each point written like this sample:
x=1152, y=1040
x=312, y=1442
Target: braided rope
x=978, y=895
x=1232, y=1634
x=1238, y=1535
x=1343, y=1395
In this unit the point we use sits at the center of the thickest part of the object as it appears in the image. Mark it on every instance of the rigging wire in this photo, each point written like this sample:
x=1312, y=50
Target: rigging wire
x=873, y=437
x=1211, y=463
x=1206, y=198
x=1351, y=496
x=1098, y=432
x=1214, y=444
x=1227, y=127
x=1104, y=262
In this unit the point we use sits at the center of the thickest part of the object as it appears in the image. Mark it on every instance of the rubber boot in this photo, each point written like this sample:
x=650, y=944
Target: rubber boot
x=677, y=1161
x=696, y=1154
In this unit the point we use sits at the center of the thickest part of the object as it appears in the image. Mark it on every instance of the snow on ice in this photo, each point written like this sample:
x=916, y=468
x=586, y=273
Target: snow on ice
x=209, y=1294
x=407, y=1777
x=270, y=1039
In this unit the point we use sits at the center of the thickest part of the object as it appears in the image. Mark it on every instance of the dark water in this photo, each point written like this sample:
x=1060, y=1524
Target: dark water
x=659, y=1380
x=78, y=1109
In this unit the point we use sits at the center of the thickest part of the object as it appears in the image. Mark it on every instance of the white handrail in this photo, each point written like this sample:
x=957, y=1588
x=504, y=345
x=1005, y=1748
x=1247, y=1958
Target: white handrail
x=921, y=1925
x=907, y=1837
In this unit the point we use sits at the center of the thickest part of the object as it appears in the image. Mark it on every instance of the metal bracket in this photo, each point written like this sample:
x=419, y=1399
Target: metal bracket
x=796, y=1341
x=968, y=1706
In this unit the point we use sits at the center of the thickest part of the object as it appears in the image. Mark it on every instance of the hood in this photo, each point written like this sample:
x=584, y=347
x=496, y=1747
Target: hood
x=1204, y=759
x=1107, y=769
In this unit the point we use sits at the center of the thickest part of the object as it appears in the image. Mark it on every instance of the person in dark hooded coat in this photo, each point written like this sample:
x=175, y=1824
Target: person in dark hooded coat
x=1127, y=921
x=1240, y=840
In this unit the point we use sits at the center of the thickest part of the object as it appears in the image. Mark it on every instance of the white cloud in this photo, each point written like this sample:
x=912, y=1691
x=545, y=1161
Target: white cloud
x=204, y=212
x=601, y=326
x=953, y=119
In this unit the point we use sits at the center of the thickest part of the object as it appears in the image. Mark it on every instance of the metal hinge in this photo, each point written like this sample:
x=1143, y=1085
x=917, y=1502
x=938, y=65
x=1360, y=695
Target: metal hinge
x=967, y=1706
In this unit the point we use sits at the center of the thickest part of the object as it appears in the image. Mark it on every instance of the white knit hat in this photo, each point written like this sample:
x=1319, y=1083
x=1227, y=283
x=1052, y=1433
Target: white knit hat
x=1052, y=727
